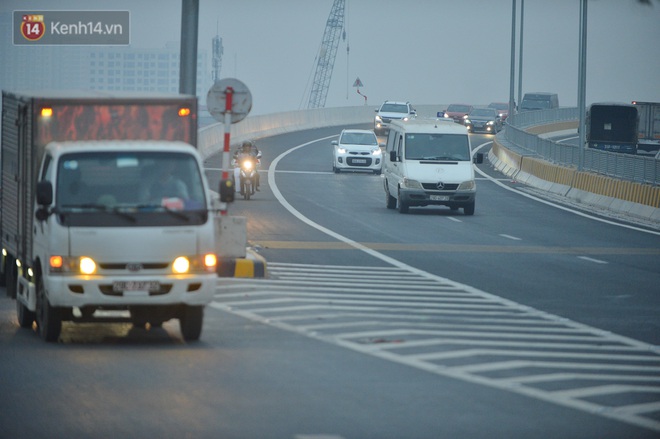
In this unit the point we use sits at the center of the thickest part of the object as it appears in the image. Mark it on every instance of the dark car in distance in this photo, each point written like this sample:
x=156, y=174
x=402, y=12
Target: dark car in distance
x=502, y=108
x=484, y=120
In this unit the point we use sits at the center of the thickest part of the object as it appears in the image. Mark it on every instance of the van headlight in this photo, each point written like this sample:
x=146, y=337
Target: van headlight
x=411, y=184
x=469, y=185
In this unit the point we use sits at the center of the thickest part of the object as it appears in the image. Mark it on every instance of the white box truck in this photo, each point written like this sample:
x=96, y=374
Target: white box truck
x=105, y=210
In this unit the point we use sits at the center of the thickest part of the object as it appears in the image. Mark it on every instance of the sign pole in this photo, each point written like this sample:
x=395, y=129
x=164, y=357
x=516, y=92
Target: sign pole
x=229, y=93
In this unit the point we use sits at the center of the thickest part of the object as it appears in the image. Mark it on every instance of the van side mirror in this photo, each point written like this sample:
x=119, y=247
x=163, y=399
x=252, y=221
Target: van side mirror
x=478, y=158
x=393, y=157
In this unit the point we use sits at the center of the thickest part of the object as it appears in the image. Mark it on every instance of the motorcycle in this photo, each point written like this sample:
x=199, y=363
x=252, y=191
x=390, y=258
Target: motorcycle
x=247, y=175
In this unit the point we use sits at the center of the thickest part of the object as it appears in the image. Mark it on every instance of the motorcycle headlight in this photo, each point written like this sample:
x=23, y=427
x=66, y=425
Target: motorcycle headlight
x=247, y=164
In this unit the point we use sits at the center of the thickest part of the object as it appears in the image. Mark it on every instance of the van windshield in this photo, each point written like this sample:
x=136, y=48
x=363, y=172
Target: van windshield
x=437, y=147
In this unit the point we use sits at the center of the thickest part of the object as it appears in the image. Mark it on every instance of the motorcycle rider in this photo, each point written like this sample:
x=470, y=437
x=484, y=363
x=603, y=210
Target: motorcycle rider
x=250, y=149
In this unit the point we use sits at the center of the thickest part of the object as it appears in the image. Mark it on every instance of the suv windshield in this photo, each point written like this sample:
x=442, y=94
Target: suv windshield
x=483, y=112
x=437, y=147
x=394, y=108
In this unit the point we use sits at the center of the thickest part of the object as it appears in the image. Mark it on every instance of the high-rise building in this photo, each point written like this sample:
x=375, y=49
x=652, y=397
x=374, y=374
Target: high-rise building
x=118, y=68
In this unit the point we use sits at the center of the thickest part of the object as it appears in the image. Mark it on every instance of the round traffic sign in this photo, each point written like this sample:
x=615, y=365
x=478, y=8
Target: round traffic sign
x=241, y=100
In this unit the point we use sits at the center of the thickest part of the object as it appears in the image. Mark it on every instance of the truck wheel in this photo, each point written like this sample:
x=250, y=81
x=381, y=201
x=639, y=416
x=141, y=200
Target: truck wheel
x=11, y=277
x=469, y=209
x=24, y=315
x=190, y=322
x=49, y=320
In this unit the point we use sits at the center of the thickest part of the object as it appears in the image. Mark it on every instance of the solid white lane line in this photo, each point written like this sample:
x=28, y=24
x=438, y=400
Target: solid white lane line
x=597, y=261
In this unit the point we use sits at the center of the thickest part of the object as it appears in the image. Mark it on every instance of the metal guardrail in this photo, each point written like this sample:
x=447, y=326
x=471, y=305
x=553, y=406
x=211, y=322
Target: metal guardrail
x=639, y=169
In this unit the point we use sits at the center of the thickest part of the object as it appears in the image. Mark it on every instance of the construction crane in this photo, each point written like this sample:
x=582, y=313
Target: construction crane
x=327, y=54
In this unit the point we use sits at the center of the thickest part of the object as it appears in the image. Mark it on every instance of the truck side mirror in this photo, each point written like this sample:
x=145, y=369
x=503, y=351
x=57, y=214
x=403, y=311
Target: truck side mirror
x=44, y=193
x=227, y=191
x=44, y=199
x=478, y=158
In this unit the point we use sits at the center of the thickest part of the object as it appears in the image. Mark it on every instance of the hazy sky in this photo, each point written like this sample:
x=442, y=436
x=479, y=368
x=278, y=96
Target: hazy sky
x=424, y=51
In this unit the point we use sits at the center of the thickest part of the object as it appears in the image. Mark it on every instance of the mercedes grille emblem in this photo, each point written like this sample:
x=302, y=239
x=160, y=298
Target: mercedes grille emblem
x=440, y=185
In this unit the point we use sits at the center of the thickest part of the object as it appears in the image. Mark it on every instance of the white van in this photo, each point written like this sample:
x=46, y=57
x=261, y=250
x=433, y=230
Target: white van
x=429, y=162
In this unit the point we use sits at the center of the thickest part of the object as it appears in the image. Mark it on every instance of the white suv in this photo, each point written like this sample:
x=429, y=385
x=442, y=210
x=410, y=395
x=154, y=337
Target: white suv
x=389, y=111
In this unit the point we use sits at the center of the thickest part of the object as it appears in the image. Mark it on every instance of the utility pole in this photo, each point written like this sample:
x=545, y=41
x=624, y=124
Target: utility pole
x=513, y=58
x=188, y=55
x=582, y=82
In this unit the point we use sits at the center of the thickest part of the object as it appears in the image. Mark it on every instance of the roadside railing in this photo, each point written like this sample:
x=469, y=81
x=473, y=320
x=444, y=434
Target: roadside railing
x=520, y=136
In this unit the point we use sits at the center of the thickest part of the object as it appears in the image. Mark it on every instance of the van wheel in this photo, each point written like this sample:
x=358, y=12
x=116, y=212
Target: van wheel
x=390, y=201
x=469, y=209
x=49, y=320
x=403, y=206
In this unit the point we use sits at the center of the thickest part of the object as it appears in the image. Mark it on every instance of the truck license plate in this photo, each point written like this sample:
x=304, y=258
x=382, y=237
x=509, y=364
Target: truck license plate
x=148, y=285
x=439, y=197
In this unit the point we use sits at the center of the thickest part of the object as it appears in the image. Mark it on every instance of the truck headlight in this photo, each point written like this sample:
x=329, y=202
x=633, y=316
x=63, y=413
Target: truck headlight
x=195, y=264
x=71, y=264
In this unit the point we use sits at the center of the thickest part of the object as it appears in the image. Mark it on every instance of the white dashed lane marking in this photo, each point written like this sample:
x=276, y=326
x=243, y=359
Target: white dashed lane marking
x=454, y=330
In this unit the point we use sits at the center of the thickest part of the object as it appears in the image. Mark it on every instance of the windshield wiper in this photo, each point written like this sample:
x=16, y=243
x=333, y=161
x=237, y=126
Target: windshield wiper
x=440, y=158
x=101, y=208
x=160, y=207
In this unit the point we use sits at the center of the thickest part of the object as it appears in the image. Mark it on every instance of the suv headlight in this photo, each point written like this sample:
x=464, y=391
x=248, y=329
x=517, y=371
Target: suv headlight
x=379, y=119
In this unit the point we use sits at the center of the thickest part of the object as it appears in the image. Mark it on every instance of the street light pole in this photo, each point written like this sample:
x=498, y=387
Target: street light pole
x=582, y=73
x=513, y=57
x=520, y=51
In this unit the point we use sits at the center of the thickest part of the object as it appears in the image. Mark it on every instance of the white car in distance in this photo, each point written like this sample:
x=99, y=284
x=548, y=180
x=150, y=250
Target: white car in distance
x=357, y=150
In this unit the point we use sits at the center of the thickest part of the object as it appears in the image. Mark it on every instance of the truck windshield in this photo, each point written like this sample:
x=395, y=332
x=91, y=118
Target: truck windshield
x=437, y=147
x=129, y=183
